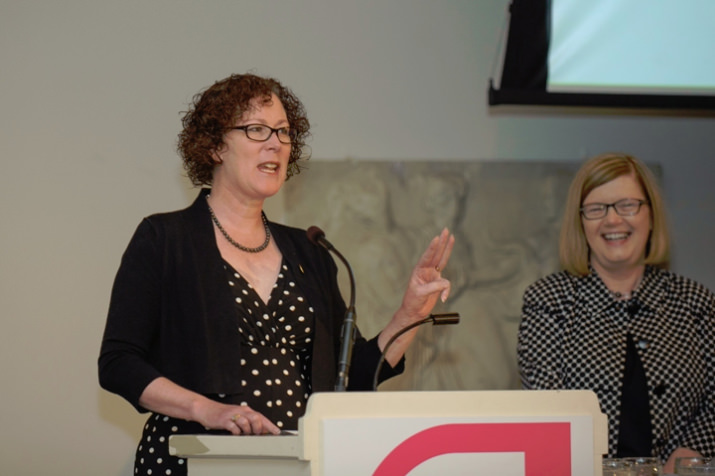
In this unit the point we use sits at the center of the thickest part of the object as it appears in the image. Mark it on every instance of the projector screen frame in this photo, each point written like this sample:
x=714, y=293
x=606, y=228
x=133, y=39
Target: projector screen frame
x=525, y=71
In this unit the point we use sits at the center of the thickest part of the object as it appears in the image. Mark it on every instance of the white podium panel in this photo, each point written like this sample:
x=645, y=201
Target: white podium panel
x=519, y=433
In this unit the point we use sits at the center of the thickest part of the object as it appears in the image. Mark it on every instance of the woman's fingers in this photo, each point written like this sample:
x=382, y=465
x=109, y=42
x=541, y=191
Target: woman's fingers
x=245, y=421
x=437, y=254
x=445, y=293
x=445, y=250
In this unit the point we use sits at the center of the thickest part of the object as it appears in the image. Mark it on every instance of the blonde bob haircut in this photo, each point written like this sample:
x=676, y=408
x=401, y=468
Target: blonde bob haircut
x=573, y=247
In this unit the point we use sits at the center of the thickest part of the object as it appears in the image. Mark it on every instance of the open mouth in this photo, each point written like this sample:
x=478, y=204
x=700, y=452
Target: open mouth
x=615, y=236
x=270, y=167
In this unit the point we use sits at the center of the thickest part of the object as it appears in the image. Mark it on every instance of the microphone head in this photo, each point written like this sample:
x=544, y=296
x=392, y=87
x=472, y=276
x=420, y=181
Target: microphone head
x=445, y=318
x=315, y=234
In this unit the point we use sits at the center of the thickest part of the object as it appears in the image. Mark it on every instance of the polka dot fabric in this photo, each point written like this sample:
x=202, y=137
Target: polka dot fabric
x=152, y=456
x=276, y=342
x=573, y=336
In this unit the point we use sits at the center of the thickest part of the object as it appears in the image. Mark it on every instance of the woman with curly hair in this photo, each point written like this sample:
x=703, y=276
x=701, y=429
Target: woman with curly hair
x=223, y=321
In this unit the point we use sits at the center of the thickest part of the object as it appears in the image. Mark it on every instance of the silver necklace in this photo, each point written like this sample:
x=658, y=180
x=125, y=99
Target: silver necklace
x=235, y=243
x=622, y=296
x=619, y=296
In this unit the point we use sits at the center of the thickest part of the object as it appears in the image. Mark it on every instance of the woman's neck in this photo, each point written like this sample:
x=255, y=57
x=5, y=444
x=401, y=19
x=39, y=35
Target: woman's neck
x=234, y=207
x=621, y=282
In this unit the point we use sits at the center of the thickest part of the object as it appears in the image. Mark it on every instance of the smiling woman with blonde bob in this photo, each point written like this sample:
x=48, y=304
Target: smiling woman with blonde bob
x=617, y=321
x=573, y=248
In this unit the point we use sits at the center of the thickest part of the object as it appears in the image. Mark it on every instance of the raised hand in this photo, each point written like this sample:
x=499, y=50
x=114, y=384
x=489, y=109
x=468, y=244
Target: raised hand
x=425, y=286
x=426, y=283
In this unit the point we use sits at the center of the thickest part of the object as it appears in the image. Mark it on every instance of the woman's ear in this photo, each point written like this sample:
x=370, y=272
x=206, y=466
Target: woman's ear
x=216, y=156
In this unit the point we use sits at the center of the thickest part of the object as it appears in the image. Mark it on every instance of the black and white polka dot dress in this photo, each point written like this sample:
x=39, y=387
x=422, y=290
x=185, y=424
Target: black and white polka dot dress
x=276, y=339
x=276, y=343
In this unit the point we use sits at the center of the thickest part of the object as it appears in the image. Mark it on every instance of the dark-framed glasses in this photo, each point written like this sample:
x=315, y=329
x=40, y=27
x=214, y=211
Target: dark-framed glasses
x=261, y=133
x=626, y=207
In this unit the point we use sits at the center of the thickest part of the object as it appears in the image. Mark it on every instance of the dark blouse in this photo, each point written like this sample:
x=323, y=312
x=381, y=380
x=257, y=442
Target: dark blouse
x=276, y=348
x=635, y=433
x=277, y=341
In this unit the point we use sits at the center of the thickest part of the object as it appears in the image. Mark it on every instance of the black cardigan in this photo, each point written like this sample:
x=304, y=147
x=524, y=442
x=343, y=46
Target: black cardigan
x=171, y=313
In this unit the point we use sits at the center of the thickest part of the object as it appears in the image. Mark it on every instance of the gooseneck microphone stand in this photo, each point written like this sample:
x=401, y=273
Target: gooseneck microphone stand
x=348, y=332
x=435, y=319
x=317, y=236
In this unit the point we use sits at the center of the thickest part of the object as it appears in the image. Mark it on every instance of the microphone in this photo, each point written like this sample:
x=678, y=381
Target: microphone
x=435, y=319
x=317, y=236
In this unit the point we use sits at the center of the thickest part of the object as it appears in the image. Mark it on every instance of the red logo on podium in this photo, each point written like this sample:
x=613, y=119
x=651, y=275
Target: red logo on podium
x=546, y=446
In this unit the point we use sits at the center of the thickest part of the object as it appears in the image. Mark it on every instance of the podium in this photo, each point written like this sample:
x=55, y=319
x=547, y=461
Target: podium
x=504, y=433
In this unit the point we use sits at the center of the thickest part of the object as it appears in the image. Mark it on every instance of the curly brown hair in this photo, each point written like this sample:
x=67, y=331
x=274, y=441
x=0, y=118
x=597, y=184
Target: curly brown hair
x=217, y=108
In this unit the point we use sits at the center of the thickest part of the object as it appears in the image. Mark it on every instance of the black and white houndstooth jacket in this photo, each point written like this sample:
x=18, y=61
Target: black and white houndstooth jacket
x=573, y=336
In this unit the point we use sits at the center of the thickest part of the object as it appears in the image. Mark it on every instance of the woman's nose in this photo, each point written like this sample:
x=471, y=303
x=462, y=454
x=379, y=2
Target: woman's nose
x=612, y=215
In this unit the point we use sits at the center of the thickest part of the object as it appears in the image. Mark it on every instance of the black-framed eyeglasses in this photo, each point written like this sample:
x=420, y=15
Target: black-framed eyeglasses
x=626, y=207
x=261, y=133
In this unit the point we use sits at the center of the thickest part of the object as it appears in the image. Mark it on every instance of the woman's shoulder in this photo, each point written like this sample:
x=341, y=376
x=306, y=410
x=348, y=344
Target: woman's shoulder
x=163, y=219
x=284, y=234
x=295, y=244
x=195, y=212
x=290, y=231
x=687, y=289
x=553, y=291
x=180, y=225
x=686, y=282
x=547, y=301
x=552, y=283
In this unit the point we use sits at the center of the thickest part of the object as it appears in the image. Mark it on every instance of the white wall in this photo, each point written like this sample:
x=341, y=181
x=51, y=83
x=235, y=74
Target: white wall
x=90, y=94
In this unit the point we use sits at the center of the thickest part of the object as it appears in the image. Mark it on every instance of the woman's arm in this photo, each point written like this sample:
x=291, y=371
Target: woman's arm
x=165, y=397
x=538, y=344
x=699, y=437
x=133, y=319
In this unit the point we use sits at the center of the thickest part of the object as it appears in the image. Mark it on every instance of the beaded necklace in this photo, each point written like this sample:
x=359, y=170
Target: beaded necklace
x=235, y=243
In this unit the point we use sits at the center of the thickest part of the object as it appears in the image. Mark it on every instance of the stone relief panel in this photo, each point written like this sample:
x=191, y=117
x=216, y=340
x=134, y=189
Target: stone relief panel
x=381, y=216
